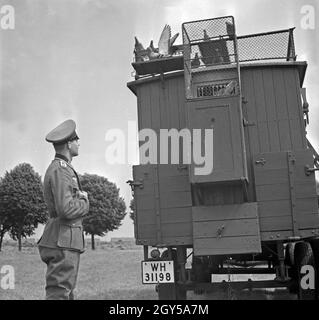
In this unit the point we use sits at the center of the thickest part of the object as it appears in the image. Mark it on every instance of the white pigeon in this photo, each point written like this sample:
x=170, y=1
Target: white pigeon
x=152, y=54
x=230, y=89
x=166, y=42
x=173, y=38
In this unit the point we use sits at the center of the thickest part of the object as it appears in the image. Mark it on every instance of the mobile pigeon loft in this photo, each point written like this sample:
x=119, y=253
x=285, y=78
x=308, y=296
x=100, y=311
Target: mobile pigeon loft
x=259, y=203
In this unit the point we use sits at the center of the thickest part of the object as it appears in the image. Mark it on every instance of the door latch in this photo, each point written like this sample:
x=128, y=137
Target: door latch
x=261, y=161
x=220, y=231
x=134, y=184
x=309, y=171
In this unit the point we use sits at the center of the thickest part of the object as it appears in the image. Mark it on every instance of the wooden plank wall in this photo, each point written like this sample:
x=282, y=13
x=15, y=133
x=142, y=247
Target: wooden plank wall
x=273, y=188
x=223, y=114
x=175, y=205
x=161, y=105
x=145, y=220
x=272, y=103
x=226, y=229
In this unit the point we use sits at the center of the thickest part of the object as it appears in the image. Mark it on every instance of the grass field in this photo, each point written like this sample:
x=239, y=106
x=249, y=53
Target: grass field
x=111, y=272
x=106, y=273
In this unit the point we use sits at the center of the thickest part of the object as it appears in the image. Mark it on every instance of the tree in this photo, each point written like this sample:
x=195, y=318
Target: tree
x=22, y=202
x=132, y=209
x=4, y=226
x=107, y=208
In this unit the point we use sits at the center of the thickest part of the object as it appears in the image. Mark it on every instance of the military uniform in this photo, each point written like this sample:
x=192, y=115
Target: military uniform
x=62, y=241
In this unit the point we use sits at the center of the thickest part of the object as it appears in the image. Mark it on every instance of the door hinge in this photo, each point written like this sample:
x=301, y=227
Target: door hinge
x=134, y=184
x=246, y=123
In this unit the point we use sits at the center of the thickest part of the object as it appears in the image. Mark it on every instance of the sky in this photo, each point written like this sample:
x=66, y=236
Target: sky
x=71, y=59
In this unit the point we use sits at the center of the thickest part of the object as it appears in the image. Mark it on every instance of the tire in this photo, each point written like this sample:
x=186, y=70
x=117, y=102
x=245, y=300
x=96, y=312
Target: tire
x=164, y=255
x=292, y=271
x=303, y=255
x=201, y=272
x=289, y=254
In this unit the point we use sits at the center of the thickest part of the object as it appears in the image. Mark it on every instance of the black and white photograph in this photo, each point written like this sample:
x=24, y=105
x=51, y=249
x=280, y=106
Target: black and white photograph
x=159, y=150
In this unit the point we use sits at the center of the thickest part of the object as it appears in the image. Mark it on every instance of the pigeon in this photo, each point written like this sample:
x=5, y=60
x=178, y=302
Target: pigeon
x=195, y=63
x=172, y=39
x=140, y=52
x=153, y=54
x=152, y=47
x=165, y=43
x=230, y=89
x=218, y=56
x=230, y=29
x=206, y=49
x=206, y=37
x=138, y=45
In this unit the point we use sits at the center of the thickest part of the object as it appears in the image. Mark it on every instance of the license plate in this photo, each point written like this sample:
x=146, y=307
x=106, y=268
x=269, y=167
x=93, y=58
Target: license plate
x=157, y=272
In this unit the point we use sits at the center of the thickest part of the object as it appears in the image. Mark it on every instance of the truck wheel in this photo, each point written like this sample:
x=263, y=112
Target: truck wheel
x=201, y=273
x=304, y=256
x=289, y=254
x=292, y=271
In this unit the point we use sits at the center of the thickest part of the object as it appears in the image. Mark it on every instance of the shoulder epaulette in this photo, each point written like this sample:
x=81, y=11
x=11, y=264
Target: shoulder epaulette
x=63, y=164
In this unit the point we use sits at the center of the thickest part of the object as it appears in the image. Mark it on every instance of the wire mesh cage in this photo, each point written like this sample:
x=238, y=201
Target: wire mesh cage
x=210, y=43
x=275, y=45
x=213, y=44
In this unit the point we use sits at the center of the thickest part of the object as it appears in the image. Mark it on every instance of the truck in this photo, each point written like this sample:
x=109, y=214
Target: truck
x=255, y=211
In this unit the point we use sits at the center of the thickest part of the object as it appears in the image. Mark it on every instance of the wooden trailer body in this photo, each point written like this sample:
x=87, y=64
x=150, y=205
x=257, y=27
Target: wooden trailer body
x=257, y=201
x=273, y=125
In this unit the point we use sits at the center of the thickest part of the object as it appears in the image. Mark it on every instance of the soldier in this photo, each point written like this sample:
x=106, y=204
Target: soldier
x=62, y=241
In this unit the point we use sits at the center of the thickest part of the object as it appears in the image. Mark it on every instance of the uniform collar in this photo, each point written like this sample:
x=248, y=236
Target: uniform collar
x=62, y=157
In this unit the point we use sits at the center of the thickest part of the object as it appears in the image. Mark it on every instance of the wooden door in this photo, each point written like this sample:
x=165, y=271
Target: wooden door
x=224, y=117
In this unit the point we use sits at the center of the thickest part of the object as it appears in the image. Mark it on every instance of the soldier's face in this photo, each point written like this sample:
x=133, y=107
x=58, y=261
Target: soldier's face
x=74, y=148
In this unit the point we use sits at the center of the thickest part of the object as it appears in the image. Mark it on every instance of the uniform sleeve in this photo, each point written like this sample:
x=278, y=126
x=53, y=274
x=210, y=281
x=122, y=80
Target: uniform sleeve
x=68, y=205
